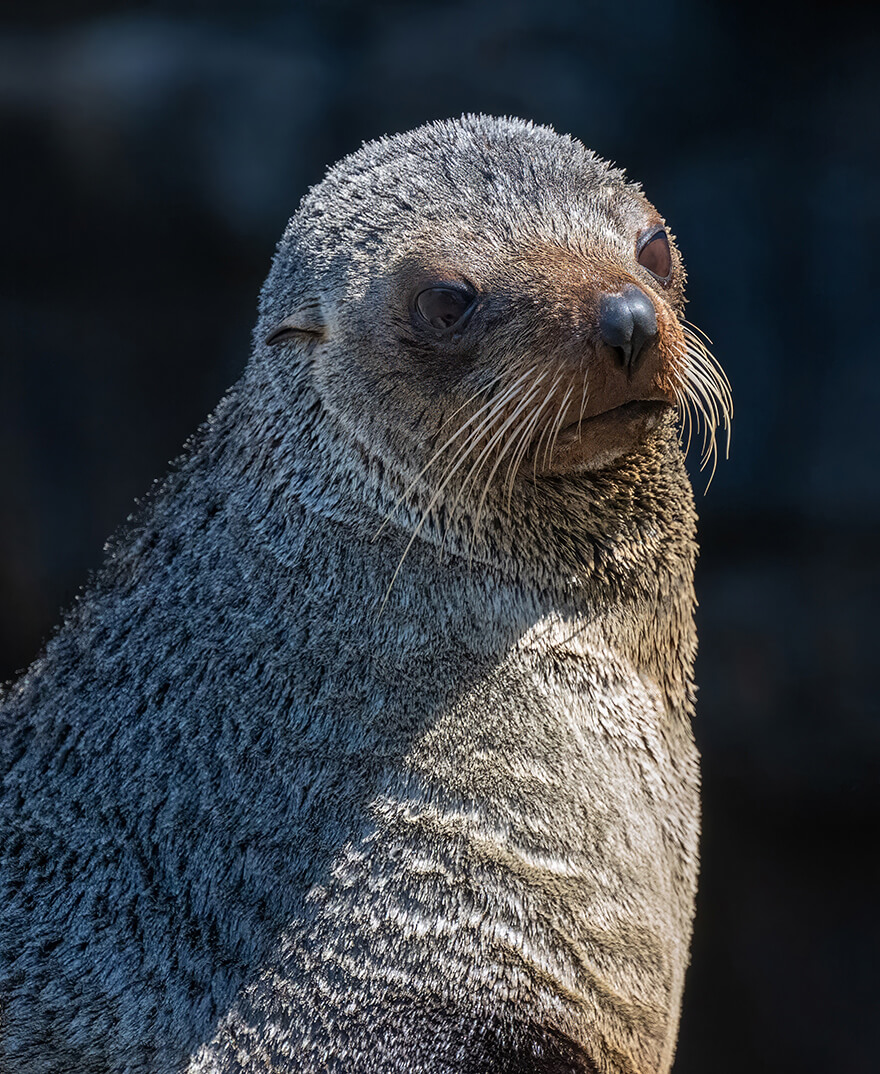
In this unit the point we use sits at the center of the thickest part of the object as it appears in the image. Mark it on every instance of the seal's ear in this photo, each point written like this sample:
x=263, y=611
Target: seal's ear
x=306, y=322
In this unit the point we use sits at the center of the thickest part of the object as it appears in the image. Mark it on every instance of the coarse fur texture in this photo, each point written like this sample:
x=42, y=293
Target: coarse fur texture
x=364, y=753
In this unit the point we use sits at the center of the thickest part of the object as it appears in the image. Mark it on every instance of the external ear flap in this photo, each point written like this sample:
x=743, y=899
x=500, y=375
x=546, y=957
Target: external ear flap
x=306, y=322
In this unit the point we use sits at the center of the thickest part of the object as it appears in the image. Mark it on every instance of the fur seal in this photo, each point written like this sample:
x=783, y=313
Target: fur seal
x=369, y=748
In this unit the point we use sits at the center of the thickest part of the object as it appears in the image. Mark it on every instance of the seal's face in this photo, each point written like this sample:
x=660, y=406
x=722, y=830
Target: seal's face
x=587, y=338
x=493, y=299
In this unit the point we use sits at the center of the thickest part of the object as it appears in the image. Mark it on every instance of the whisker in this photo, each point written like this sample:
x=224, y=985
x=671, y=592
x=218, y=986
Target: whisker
x=495, y=408
x=459, y=459
x=548, y=398
x=680, y=408
x=520, y=453
x=584, y=399
x=702, y=394
x=710, y=362
x=512, y=439
x=496, y=436
x=470, y=399
x=560, y=415
x=721, y=404
x=690, y=327
x=494, y=439
x=704, y=397
x=710, y=374
x=439, y=452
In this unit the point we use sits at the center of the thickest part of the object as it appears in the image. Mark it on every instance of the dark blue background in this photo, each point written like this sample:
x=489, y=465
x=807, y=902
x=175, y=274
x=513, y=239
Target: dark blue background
x=151, y=156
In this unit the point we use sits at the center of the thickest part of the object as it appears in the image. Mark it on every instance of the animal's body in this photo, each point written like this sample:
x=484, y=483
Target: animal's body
x=260, y=811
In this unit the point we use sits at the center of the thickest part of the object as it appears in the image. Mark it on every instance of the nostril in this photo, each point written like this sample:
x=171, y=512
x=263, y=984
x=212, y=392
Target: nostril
x=627, y=322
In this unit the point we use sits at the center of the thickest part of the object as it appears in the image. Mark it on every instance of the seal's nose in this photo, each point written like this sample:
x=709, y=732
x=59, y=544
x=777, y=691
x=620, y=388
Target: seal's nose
x=627, y=322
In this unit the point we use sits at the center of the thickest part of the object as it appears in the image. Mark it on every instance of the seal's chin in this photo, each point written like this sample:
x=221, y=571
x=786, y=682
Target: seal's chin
x=599, y=440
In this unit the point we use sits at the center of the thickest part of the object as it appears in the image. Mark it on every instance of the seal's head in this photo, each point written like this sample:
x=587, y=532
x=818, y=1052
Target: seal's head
x=486, y=301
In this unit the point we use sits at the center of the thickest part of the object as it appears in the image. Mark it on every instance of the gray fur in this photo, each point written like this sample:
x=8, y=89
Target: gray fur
x=255, y=820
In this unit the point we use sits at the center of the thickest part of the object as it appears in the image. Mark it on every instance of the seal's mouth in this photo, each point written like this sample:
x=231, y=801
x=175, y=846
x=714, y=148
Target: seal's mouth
x=597, y=440
x=644, y=413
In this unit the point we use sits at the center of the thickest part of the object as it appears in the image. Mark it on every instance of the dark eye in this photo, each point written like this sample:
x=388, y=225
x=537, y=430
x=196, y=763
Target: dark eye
x=443, y=307
x=656, y=256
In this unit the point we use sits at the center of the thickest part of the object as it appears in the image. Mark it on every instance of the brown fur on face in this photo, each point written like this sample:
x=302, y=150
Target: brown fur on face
x=537, y=324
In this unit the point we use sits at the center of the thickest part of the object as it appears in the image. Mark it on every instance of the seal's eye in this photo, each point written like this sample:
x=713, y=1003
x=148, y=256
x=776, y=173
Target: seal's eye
x=443, y=307
x=655, y=255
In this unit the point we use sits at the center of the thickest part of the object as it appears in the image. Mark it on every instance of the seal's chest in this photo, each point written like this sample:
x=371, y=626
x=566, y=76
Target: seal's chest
x=523, y=838
x=537, y=725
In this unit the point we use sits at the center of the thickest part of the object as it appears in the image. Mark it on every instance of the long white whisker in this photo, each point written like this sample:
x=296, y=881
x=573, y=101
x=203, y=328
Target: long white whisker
x=690, y=328
x=704, y=397
x=584, y=399
x=499, y=433
x=548, y=398
x=439, y=452
x=470, y=399
x=493, y=440
x=520, y=453
x=495, y=408
x=560, y=415
x=510, y=442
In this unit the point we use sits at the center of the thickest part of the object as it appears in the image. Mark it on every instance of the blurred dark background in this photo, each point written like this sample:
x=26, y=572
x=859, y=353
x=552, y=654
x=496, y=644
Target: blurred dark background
x=151, y=156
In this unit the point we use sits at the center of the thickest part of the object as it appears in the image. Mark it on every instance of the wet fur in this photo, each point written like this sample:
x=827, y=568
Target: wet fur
x=261, y=811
